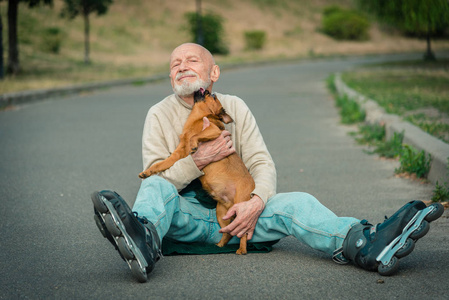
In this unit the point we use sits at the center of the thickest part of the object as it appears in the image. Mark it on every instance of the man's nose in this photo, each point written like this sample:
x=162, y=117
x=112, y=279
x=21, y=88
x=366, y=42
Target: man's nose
x=183, y=66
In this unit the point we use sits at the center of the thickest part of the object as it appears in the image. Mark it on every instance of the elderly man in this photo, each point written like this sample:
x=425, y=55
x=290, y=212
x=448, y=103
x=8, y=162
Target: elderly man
x=173, y=207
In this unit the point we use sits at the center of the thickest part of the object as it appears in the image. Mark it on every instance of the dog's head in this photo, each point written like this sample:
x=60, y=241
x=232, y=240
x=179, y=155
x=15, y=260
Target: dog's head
x=212, y=103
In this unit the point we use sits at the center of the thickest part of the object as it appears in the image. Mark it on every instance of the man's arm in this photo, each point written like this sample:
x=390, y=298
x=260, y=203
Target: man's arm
x=247, y=213
x=160, y=138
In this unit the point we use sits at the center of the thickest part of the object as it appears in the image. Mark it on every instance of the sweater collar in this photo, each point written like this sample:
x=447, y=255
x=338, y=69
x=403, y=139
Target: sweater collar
x=183, y=103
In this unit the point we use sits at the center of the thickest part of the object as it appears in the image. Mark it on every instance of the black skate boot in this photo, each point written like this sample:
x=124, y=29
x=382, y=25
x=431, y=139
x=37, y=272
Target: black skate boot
x=135, y=238
x=378, y=248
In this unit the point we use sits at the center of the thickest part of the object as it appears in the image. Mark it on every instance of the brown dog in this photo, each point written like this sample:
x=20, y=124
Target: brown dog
x=228, y=180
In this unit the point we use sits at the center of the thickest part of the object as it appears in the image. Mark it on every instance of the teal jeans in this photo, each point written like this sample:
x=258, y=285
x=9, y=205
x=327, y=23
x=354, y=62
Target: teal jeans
x=182, y=218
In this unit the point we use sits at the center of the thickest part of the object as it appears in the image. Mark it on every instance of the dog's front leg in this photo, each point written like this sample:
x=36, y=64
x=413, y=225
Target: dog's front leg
x=180, y=152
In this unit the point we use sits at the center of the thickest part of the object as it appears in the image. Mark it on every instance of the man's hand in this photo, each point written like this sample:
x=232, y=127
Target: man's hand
x=214, y=150
x=247, y=213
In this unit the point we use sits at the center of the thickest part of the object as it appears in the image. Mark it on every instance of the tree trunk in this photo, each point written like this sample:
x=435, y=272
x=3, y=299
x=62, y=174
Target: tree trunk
x=429, y=54
x=199, y=24
x=13, y=47
x=86, y=39
x=2, y=74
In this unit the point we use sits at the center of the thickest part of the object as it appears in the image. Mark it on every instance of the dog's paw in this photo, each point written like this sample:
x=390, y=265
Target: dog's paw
x=147, y=173
x=193, y=150
x=143, y=175
x=220, y=244
x=241, y=251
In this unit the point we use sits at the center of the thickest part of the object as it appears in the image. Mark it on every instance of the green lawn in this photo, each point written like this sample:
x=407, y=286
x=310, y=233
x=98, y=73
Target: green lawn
x=416, y=90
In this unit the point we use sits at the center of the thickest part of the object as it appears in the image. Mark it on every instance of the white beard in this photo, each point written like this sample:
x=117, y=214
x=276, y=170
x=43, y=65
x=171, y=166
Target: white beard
x=188, y=88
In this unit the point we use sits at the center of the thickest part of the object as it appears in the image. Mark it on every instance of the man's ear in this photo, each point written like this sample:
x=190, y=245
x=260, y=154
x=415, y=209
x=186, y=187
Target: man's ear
x=215, y=73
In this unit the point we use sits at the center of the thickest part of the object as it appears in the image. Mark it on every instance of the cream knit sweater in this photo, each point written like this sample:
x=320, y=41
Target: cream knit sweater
x=164, y=124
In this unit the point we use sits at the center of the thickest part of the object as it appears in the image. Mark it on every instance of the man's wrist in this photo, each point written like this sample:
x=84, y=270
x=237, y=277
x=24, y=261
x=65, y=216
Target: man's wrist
x=201, y=163
x=259, y=200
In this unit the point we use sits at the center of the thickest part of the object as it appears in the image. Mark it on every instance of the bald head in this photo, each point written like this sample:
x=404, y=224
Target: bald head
x=194, y=48
x=192, y=67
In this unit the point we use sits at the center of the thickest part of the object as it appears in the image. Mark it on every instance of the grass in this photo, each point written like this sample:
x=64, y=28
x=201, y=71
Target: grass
x=441, y=191
x=414, y=162
x=411, y=161
x=371, y=134
x=418, y=91
x=350, y=110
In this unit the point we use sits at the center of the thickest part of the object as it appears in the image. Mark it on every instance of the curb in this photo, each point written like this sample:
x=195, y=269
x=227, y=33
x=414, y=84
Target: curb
x=413, y=135
x=26, y=97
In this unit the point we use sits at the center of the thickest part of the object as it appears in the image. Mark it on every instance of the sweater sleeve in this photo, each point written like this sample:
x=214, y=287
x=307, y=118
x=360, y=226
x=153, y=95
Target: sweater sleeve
x=159, y=140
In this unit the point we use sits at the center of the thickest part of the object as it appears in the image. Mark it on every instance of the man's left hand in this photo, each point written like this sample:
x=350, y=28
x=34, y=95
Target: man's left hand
x=247, y=213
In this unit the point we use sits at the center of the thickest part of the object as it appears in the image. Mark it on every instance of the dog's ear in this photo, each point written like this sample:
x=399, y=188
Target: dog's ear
x=225, y=117
x=206, y=123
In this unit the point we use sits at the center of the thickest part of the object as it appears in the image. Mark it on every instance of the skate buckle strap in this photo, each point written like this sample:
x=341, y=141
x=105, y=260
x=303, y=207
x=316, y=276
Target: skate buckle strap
x=372, y=232
x=389, y=251
x=338, y=257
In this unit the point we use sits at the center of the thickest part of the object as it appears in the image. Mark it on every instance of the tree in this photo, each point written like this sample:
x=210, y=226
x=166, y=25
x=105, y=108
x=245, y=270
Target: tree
x=212, y=31
x=13, y=66
x=74, y=8
x=421, y=17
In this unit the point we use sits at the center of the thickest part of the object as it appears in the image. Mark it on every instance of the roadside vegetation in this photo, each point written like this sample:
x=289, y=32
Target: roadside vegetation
x=412, y=162
x=416, y=90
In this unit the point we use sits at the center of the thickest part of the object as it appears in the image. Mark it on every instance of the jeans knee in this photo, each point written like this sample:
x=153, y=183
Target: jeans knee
x=290, y=203
x=158, y=182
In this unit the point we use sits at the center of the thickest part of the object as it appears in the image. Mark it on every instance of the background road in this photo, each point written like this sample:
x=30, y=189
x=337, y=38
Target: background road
x=55, y=153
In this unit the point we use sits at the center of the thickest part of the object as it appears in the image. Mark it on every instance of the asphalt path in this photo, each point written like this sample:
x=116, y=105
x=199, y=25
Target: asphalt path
x=56, y=152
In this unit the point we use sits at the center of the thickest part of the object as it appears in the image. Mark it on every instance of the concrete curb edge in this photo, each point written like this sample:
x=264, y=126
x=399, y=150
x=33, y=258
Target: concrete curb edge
x=413, y=135
x=25, y=97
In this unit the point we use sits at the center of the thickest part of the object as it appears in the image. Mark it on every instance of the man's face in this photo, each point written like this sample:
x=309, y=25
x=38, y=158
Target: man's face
x=190, y=69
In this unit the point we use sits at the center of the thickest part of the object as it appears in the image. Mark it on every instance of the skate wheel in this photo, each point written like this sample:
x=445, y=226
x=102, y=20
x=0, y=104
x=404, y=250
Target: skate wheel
x=98, y=204
x=124, y=248
x=406, y=249
x=139, y=273
x=100, y=225
x=390, y=269
x=110, y=225
x=436, y=213
x=421, y=231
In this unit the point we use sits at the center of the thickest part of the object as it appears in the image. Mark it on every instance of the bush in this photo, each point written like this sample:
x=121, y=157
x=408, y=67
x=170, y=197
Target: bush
x=212, y=28
x=255, y=39
x=344, y=24
x=51, y=40
x=329, y=10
